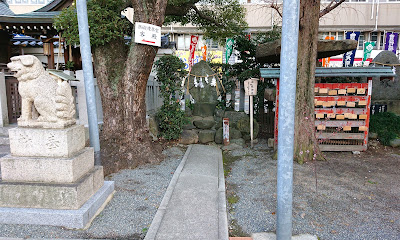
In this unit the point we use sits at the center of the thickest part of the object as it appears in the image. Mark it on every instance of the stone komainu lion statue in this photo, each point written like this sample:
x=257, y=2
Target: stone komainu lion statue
x=39, y=91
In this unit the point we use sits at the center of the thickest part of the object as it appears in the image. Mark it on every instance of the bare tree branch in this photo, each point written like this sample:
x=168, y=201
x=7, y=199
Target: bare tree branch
x=332, y=5
x=275, y=6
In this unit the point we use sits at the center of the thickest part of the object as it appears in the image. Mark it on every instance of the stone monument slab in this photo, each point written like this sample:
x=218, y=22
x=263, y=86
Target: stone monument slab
x=43, y=169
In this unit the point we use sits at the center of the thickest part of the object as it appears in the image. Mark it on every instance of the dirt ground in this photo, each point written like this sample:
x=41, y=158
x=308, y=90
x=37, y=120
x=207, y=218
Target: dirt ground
x=349, y=196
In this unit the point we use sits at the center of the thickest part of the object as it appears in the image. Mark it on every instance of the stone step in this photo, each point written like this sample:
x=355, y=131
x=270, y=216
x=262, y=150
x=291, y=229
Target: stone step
x=4, y=130
x=4, y=140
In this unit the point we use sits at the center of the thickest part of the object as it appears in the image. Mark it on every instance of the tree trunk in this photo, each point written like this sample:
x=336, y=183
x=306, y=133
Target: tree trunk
x=305, y=145
x=122, y=76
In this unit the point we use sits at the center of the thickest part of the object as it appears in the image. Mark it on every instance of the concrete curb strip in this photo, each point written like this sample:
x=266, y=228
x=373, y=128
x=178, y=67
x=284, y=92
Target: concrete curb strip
x=223, y=233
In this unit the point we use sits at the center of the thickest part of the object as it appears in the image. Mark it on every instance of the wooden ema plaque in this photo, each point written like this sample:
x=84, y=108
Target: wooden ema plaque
x=347, y=128
x=351, y=90
x=332, y=92
x=342, y=115
x=360, y=91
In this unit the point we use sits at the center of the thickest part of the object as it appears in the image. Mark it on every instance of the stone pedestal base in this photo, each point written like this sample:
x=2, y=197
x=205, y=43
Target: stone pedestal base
x=50, y=178
x=43, y=169
x=51, y=195
x=79, y=218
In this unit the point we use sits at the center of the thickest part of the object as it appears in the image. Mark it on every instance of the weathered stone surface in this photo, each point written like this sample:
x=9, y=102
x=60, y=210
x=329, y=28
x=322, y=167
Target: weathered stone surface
x=271, y=142
x=238, y=141
x=53, y=196
x=387, y=90
x=392, y=105
x=42, y=169
x=233, y=134
x=270, y=94
x=234, y=117
x=243, y=125
x=270, y=52
x=53, y=101
x=37, y=142
x=395, y=142
x=219, y=113
x=204, y=109
x=204, y=123
x=64, y=218
x=188, y=111
x=189, y=137
x=189, y=126
x=372, y=135
x=208, y=94
x=218, y=136
x=206, y=136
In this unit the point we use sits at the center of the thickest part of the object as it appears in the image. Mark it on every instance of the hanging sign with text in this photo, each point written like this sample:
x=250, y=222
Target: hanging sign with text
x=250, y=86
x=147, y=34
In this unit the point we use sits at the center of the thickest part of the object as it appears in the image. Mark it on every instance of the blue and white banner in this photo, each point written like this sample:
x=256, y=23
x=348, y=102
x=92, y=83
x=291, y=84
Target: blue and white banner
x=348, y=58
x=391, y=41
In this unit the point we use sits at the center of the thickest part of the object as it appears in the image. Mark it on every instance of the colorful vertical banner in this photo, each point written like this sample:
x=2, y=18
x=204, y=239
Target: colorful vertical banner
x=326, y=61
x=348, y=57
x=368, y=47
x=192, y=49
x=204, y=52
x=229, y=49
x=391, y=41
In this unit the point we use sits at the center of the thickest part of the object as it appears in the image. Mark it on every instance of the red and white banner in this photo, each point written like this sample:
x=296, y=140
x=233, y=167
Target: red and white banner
x=193, y=43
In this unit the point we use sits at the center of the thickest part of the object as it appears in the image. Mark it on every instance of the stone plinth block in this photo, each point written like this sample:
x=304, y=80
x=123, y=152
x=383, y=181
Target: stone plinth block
x=51, y=195
x=39, y=142
x=79, y=218
x=41, y=169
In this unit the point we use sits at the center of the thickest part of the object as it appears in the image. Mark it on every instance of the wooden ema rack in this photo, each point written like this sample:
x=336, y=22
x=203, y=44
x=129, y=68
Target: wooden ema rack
x=342, y=112
x=341, y=109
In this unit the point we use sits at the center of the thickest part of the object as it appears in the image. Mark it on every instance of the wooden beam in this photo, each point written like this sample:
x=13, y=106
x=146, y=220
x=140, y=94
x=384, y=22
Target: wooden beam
x=341, y=148
x=359, y=136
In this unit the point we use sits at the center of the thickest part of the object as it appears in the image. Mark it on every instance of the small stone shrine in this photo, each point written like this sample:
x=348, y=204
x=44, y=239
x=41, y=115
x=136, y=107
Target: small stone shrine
x=205, y=87
x=386, y=91
x=49, y=178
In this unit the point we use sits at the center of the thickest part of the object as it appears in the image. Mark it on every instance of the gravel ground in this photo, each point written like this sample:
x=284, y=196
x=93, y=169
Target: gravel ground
x=357, y=196
x=130, y=212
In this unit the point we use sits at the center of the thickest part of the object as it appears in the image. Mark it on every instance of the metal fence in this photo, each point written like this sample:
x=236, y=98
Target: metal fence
x=153, y=98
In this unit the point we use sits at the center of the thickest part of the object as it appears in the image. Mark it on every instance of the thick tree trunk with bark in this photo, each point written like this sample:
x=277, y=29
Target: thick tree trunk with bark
x=305, y=145
x=122, y=76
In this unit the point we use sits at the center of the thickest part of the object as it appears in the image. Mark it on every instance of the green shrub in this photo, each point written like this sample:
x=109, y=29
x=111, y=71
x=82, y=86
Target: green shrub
x=170, y=117
x=171, y=120
x=386, y=125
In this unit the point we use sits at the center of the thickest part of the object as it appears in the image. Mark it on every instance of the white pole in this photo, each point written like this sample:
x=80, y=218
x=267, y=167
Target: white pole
x=287, y=97
x=251, y=120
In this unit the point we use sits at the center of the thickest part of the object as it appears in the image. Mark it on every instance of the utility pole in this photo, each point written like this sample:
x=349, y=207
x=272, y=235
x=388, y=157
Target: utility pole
x=87, y=66
x=287, y=96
